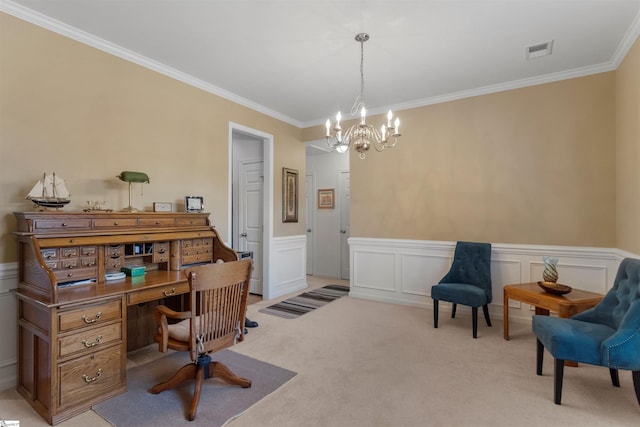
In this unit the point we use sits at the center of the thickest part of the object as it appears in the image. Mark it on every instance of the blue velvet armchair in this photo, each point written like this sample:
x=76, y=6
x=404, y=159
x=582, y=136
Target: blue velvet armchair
x=468, y=282
x=605, y=335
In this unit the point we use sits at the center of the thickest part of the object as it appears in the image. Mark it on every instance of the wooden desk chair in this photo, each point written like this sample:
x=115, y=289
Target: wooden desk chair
x=218, y=302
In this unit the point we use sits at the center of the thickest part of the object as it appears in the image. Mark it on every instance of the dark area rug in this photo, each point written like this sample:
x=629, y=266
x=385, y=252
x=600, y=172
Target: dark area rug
x=306, y=302
x=219, y=401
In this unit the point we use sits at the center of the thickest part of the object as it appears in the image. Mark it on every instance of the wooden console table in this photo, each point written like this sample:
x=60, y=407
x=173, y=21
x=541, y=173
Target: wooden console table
x=566, y=305
x=74, y=326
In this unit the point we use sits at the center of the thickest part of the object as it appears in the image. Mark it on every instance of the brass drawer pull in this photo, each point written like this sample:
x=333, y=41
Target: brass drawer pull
x=169, y=294
x=92, y=344
x=92, y=379
x=96, y=317
x=64, y=224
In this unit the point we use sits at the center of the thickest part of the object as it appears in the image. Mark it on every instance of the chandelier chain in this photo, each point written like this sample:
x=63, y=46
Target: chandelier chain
x=359, y=102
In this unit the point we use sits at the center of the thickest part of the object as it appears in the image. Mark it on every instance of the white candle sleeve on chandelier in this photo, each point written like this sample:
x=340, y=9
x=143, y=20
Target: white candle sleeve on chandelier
x=328, y=128
x=389, y=117
x=397, y=131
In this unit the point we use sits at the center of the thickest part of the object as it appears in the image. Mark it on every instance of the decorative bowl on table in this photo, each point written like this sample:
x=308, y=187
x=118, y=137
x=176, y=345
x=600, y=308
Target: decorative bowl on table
x=555, y=288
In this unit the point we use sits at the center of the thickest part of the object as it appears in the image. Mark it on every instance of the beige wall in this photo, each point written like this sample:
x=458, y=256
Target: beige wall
x=535, y=165
x=530, y=166
x=88, y=115
x=628, y=151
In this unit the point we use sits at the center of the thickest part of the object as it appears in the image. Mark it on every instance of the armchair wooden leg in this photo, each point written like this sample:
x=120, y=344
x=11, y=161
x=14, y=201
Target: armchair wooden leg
x=453, y=310
x=558, y=372
x=474, y=319
x=615, y=379
x=539, y=356
x=485, y=310
x=636, y=384
x=435, y=313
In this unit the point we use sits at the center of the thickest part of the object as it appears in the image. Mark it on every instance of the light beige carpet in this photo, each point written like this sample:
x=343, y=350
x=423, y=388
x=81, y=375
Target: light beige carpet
x=365, y=363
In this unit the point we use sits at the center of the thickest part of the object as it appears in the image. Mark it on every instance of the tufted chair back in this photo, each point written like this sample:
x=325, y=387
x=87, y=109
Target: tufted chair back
x=605, y=335
x=624, y=295
x=620, y=310
x=471, y=265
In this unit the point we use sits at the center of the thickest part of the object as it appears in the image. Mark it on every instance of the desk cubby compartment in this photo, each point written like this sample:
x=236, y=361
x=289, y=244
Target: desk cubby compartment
x=138, y=249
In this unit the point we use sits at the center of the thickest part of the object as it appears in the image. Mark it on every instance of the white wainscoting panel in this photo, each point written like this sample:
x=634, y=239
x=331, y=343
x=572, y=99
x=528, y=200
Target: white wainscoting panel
x=287, y=266
x=382, y=276
x=403, y=271
x=9, y=330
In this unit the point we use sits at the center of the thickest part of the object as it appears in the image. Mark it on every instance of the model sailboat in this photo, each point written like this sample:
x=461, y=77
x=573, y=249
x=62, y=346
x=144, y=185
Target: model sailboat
x=49, y=192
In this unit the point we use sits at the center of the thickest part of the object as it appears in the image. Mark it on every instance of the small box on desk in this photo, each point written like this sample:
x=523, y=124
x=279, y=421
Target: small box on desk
x=134, y=270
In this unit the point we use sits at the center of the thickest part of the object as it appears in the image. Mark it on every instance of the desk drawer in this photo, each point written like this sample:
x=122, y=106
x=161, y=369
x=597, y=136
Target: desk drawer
x=69, y=273
x=192, y=259
x=49, y=253
x=114, y=250
x=62, y=224
x=90, y=340
x=185, y=222
x=89, y=315
x=157, y=293
x=90, y=376
x=156, y=222
x=114, y=224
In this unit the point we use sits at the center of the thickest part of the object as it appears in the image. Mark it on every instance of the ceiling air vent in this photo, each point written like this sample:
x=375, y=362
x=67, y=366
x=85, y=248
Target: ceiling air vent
x=539, y=49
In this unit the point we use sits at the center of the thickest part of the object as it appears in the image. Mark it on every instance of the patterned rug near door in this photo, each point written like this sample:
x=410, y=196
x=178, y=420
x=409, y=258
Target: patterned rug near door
x=306, y=302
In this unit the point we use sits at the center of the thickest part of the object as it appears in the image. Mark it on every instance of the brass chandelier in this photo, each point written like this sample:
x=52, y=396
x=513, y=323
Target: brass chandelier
x=362, y=135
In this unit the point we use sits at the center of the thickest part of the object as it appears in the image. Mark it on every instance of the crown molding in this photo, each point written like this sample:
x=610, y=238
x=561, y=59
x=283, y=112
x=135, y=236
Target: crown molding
x=627, y=42
x=486, y=90
x=78, y=35
x=56, y=26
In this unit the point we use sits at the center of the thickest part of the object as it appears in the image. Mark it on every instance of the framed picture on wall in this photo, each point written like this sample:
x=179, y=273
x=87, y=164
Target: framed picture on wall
x=289, y=195
x=326, y=198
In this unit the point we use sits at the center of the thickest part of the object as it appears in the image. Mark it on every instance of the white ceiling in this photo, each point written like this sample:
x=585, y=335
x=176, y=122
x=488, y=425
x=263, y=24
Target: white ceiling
x=298, y=60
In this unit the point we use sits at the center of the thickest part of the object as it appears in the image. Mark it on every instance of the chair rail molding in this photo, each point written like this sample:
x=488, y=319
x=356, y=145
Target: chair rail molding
x=403, y=271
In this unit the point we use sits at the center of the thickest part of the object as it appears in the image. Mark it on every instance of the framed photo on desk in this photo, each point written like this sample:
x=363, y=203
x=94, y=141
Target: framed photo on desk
x=193, y=204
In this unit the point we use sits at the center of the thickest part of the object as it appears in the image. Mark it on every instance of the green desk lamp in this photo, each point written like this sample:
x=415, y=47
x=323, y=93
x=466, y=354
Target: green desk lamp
x=131, y=177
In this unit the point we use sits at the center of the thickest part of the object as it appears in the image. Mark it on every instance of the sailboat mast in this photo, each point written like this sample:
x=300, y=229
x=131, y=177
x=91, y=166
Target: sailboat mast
x=54, y=186
x=44, y=185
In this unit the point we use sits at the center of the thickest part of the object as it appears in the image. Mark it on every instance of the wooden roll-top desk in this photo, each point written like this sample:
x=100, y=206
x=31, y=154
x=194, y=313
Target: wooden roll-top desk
x=75, y=327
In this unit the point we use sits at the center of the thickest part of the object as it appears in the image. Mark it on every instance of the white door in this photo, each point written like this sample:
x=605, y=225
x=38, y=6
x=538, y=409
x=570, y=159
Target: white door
x=345, y=198
x=309, y=221
x=250, y=219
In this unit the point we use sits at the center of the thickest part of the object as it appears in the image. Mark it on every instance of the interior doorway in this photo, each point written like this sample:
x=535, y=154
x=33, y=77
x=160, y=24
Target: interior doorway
x=327, y=226
x=251, y=200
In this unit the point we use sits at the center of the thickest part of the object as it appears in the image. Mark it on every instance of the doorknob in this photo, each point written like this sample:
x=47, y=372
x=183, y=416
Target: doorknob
x=243, y=235
x=308, y=230
x=343, y=231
